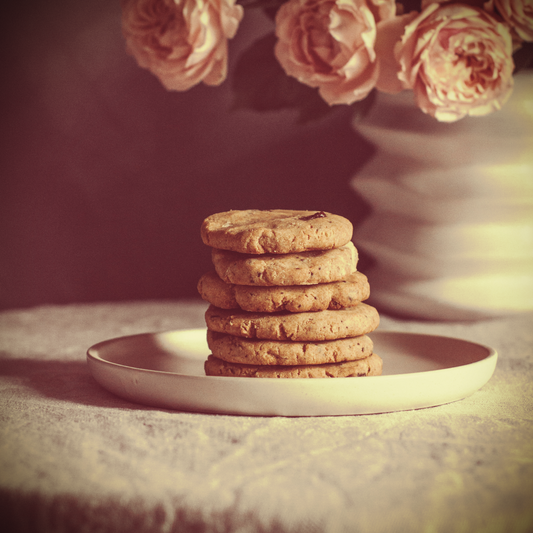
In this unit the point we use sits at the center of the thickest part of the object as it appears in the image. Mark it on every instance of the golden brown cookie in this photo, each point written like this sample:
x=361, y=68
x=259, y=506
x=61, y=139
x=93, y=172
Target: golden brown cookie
x=370, y=366
x=217, y=292
x=265, y=352
x=304, y=268
x=294, y=298
x=309, y=326
x=276, y=231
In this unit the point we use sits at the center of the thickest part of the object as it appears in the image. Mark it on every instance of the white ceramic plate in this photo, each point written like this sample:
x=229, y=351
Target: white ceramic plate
x=166, y=370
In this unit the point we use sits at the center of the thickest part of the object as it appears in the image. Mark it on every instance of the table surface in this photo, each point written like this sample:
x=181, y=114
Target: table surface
x=74, y=457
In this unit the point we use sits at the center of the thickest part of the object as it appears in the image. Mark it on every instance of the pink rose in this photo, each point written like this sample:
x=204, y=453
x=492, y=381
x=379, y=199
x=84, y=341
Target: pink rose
x=182, y=42
x=329, y=44
x=475, y=3
x=458, y=61
x=518, y=14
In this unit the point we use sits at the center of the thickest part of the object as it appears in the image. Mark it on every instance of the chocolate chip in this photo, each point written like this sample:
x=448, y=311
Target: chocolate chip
x=318, y=214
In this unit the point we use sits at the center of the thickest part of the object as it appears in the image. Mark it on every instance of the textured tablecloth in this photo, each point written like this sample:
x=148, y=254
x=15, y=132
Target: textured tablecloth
x=73, y=457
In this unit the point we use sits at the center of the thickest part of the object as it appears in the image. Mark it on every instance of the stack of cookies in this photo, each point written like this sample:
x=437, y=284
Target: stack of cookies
x=286, y=297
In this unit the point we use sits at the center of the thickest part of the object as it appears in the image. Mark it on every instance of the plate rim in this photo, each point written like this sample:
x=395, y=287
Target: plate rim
x=288, y=397
x=492, y=353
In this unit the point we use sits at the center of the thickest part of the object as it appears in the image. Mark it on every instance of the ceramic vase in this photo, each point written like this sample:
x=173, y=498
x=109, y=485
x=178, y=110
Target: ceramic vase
x=451, y=227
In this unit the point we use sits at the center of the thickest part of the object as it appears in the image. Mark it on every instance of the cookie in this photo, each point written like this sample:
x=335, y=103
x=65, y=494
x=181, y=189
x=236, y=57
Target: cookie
x=308, y=326
x=264, y=352
x=293, y=298
x=302, y=268
x=215, y=291
x=370, y=366
x=276, y=231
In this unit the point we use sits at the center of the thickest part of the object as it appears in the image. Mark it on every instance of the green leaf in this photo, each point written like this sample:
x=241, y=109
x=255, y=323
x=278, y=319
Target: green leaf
x=362, y=108
x=523, y=57
x=261, y=84
x=270, y=7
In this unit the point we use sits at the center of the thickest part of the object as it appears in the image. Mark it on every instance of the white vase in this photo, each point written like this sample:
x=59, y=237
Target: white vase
x=451, y=227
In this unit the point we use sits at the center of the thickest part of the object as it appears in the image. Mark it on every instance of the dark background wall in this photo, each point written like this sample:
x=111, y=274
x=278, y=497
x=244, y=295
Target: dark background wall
x=105, y=177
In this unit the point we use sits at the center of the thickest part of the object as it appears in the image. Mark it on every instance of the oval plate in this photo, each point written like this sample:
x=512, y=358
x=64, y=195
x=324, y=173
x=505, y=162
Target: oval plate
x=166, y=370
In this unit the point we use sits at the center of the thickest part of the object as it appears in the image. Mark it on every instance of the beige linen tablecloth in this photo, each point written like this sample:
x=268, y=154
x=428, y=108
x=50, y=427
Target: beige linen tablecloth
x=73, y=457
